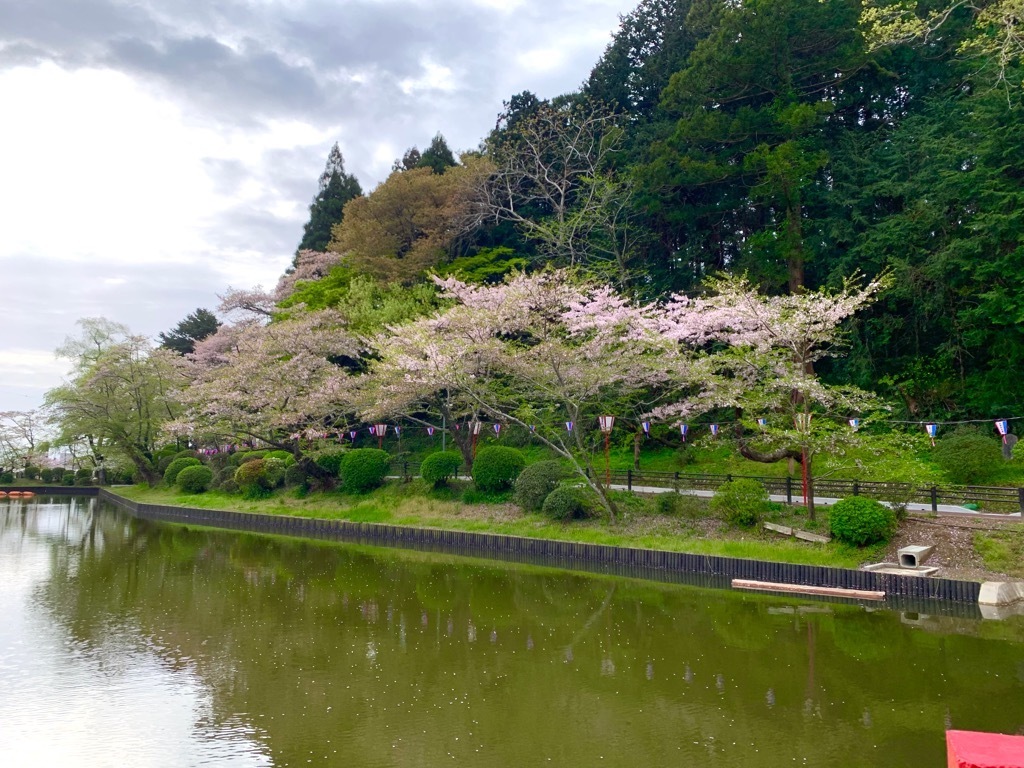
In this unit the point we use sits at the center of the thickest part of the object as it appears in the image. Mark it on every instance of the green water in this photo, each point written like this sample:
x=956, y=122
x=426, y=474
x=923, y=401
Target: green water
x=129, y=643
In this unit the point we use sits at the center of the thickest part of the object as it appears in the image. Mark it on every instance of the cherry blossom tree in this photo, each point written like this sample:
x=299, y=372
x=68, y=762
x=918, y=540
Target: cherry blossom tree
x=277, y=382
x=541, y=351
x=768, y=370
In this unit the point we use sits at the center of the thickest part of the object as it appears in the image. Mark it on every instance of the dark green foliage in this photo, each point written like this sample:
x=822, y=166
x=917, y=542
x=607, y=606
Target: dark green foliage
x=336, y=188
x=295, y=475
x=46, y=474
x=496, y=467
x=741, y=502
x=363, y=469
x=195, y=479
x=438, y=156
x=860, y=521
x=438, y=468
x=69, y=477
x=487, y=265
x=171, y=473
x=331, y=461
x=274, y=469
x=31, y=472
x=564, y=503
x=8, y=478
x=195, y=327
x=535, y=482
x=968, y=457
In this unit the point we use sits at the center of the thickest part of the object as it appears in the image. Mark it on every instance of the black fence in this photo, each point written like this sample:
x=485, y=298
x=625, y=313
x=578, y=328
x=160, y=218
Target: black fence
x=904, y=592
x=987, y=498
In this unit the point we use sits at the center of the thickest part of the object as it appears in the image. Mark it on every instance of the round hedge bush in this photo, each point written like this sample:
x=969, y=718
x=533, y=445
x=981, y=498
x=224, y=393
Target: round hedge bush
x=535, y=483
x=275, y=470
x=171, y=473
x=8, y=477
x=195, y=479
x=564, y=504
x=438, y=468
x=363, y=469
x=741, y=502
x=251, y=478
x=330, y=461
x=295, y=475
x=496, y=467
x=968, y=457
x=860, y=521
x=284, y=456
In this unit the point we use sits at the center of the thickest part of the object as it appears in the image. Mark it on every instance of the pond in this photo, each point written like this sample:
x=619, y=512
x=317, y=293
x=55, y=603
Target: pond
x=129, y=642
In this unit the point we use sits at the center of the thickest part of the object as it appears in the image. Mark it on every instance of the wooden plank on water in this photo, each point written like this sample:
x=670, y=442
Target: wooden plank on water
x=803, y=589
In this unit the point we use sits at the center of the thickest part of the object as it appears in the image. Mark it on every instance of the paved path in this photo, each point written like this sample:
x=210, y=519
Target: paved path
x=942, y=509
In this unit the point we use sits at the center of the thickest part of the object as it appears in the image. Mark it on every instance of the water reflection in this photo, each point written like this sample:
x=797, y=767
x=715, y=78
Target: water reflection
x=255, y=651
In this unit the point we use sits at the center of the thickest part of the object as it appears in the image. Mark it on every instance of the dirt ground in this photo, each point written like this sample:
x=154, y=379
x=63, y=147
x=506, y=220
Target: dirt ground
x=953, y=539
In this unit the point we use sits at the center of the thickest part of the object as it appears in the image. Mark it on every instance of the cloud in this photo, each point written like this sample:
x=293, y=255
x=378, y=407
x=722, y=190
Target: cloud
x=156, y=151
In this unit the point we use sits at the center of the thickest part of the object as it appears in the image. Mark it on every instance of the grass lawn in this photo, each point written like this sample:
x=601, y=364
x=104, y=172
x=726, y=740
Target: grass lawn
x=1002, y=551
x=689, y=528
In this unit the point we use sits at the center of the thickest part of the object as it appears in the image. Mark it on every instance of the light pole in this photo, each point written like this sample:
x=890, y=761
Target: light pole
x=607, y=423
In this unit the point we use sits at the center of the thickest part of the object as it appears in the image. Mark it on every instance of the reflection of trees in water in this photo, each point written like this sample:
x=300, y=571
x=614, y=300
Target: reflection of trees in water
x=370, y=648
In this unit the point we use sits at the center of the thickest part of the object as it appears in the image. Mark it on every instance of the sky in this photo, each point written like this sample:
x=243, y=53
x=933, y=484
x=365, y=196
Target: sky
x=154, y=153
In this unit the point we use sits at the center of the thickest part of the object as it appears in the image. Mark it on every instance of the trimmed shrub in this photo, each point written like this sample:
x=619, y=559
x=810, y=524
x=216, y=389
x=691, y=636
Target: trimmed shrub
x=496, y=467
x=274, y=469
x=251, y=456
x=295, y=475
x=228, y=486
x=251, y=478
x=741, y=502
x=968, y=457
x=535, y=482
x=284, y=456
x=8, y=478
x=69, y=477
x=31, y=472
x=363, y=468
x=171, y=473
x=438, y=468
x=564, y=503
x=46, y=475
x=188, y=453
x=860, y=521
x=331, y=461
x=194, y=479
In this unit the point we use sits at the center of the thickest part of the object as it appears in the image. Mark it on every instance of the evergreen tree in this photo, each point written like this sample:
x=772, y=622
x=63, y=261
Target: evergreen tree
x=438, y=156
x=195, y=327
x=336, y=188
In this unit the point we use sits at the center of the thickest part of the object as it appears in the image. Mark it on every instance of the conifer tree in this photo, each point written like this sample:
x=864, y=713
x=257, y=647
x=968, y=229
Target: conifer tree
x=336, y=188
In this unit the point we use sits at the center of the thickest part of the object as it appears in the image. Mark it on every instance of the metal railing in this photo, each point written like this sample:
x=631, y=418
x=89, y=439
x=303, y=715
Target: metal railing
x=989, y=498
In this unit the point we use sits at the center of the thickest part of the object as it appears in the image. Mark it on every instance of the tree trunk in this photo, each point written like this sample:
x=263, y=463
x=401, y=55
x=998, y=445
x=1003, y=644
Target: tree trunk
x=636, y=450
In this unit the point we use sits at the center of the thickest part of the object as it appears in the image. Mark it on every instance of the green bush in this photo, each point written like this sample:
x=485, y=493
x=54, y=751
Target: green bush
x=69, y=477
x=31, y=472
x=171, y=473
x=741, y=502
x=496, y=467
x=251, y=456
x=251, y=477
x=438, y=468
x=295, y=475
x=188, y=453
x=194, y=479
x=284, y=456
x=46, y=475
x=8, y=477
x=275, y=470
x=330, y=461
x=564, y=503
x=861, y=521
x=535, y=482
x=968, y=457
x=363, y=468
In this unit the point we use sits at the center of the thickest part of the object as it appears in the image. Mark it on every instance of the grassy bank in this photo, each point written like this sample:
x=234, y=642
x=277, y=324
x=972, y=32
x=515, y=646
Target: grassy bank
x=689, y=529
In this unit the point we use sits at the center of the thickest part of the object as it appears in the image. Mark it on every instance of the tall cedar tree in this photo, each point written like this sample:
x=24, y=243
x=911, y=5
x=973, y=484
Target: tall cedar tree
x=327, y=209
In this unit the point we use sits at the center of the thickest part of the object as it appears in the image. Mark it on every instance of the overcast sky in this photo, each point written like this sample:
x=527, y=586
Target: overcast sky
x=155, y=152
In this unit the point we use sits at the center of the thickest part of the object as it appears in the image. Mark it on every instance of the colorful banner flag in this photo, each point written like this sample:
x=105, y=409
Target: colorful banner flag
x=647, y=427
x=855, y=424
x=683, y=429
x=762, y=422
x=353, y=434
x=932, y=430
x=497, y=429
x=714, y=430
x=430, y=431
x=568, y=426
x=1003, y=428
